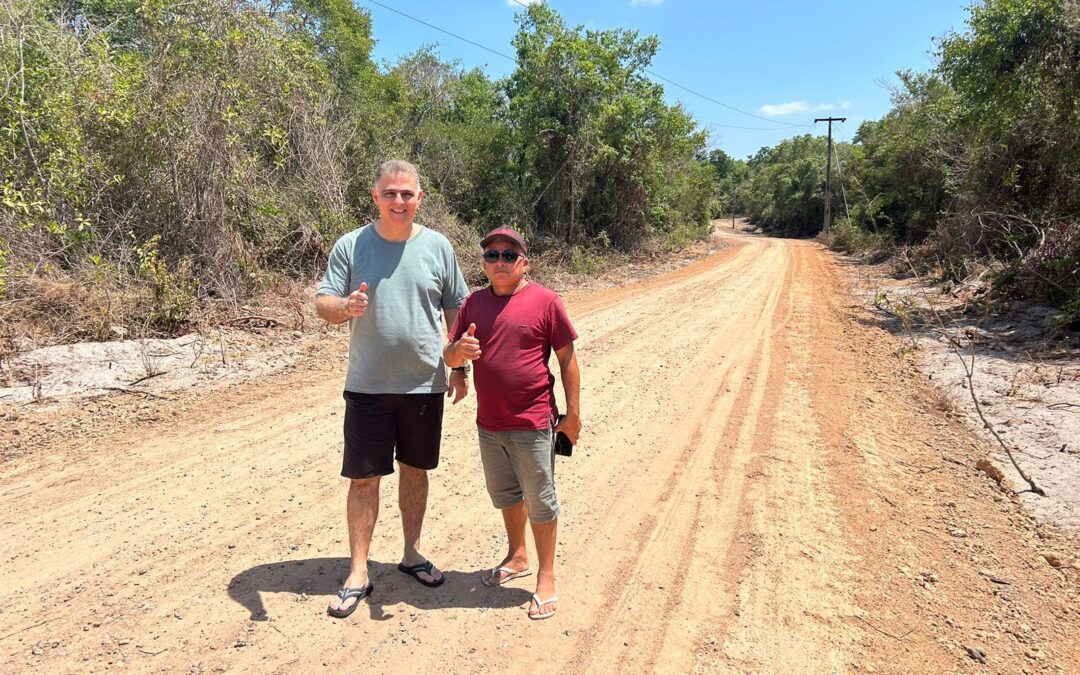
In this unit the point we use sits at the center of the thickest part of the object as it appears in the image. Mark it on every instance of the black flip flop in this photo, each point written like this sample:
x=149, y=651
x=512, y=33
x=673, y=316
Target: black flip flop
x=346, y=593
x=425, y=567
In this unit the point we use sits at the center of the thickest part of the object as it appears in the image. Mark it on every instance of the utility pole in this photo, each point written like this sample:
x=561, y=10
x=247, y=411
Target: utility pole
x=828, y=164
x=733, y=202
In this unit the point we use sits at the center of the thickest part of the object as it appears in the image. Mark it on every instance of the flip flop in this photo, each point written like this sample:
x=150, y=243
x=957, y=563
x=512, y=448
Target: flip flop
x=346, y=593
x=425, y=567
x=496, y=580
x=540, y=603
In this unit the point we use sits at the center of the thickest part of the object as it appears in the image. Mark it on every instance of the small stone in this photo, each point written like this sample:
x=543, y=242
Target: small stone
x=958, y=533
x=976, y=654
x=1053, y=559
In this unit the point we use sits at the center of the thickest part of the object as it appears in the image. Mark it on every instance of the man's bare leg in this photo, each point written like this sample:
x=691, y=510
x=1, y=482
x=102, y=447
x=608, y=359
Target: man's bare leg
x=545, y=535
x=361, y=510
x=412, y=500
x=517, y=556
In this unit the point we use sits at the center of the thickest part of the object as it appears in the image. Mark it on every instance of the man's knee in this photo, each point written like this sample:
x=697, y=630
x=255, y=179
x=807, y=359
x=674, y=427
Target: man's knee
x=411, y=471
x=363, y=486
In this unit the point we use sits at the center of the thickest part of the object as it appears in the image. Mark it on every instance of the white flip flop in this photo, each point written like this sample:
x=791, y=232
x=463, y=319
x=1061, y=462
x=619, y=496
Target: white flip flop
x=540, y=603
x=496, y=580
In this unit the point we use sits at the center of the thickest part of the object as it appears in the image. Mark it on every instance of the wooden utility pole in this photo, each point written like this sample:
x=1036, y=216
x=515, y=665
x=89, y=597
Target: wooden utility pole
x=733, y=202
x=828, y=164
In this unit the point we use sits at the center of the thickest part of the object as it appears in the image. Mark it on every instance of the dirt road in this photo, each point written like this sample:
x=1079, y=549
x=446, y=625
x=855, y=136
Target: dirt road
x=764, y=485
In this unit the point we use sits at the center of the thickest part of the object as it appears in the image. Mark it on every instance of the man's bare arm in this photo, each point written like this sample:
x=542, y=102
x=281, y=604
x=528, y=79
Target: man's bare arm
x=571, y=382
x=333, y=309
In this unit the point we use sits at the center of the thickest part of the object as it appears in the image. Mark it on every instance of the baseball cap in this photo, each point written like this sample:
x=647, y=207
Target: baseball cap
x=506, y=233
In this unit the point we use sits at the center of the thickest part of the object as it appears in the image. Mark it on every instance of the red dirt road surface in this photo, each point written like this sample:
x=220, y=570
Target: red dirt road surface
x=762, y=486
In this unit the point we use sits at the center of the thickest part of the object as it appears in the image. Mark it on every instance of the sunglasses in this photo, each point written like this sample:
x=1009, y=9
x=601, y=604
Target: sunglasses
x=492, y=256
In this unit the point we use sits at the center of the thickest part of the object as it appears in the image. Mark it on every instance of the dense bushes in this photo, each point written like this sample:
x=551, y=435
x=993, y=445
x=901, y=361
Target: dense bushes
x=157, y=155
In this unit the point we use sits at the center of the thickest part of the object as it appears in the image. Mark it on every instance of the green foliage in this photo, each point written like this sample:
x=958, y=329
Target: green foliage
x=594, y=147
x=1015, y=78
x=785, y=189
x=897, y=167
x=173, y=291
x=199, y=149
x=978, y=161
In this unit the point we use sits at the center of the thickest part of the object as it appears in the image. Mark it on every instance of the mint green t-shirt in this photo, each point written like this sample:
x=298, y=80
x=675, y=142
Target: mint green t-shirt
x=396, y=346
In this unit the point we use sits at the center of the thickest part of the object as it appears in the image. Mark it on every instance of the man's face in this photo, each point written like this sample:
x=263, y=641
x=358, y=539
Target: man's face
x=502, y=271
x=397, y=196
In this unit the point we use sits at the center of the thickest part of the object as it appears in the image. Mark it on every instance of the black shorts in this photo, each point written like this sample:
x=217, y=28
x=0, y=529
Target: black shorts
x=377, y=424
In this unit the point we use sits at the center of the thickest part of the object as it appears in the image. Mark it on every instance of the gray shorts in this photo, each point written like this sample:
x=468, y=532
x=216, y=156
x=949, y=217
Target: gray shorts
x=521, y=465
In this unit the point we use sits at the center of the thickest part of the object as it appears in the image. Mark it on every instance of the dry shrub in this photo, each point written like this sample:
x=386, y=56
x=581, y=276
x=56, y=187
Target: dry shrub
x=1050, y=273
x=466, y=242
x=74, y=308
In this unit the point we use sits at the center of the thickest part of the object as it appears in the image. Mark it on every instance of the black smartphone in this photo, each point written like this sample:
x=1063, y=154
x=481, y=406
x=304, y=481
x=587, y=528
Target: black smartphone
x=563, y=446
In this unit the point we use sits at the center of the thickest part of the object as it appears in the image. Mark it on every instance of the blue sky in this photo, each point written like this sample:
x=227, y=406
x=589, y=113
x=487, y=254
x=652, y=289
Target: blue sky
x=787, y=61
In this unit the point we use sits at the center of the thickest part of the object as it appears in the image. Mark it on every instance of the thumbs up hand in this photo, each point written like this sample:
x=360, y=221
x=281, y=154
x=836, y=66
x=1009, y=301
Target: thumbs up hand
x=357, y=302
x=468, y=347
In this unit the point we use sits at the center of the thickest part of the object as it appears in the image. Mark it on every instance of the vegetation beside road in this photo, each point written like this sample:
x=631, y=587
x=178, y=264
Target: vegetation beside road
x=977, y=164
x=161, y=158
x=163, y=161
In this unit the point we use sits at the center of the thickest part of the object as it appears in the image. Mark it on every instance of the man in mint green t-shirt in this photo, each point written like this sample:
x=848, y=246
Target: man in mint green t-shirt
x=395, y=282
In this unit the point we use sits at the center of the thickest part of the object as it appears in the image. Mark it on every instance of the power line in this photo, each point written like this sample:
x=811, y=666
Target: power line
x=719, y=103
x=707, y=98
x=733, y=126
x=656, y=75
x=441, y=30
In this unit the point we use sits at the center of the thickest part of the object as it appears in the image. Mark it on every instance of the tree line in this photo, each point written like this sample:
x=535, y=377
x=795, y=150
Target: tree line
x=157, y=155
x=160, y=158
x=976, y=165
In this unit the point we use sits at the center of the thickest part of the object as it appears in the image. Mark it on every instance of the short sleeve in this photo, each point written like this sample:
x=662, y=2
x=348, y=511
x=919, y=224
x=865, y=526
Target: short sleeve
x=461, y=321
x=560, y=330
x=455, y=290
x=337, y=278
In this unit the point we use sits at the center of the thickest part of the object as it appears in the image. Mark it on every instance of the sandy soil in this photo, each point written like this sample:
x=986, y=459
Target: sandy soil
x=762, y=486
x=1026, y=380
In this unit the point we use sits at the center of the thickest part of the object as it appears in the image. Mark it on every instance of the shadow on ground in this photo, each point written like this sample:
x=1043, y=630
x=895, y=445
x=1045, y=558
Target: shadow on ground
x=320, y=579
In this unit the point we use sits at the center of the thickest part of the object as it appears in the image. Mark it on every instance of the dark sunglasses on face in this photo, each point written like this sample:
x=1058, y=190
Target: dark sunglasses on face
x=492, y=256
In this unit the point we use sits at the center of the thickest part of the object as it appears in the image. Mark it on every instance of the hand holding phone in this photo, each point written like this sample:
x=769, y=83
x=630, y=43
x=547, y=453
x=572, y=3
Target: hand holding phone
x=563, y=446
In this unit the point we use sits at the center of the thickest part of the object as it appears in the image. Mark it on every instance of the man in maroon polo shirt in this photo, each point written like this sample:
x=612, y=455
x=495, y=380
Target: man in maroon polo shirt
x=508, y=330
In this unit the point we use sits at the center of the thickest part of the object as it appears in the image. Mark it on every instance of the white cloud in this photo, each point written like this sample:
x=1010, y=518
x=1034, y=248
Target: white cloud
x=515, y=3
x=793, y=107
x=642, y=3
x=784, y=108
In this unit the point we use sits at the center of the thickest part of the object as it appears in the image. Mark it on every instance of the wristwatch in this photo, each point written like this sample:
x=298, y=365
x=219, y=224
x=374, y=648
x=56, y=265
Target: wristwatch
x=463, y=369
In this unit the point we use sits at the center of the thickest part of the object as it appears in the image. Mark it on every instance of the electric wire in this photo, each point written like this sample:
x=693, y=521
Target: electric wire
x=442, y=30
x=654, y=74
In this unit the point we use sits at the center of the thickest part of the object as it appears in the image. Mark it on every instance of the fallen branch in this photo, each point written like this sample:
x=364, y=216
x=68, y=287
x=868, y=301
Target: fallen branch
x=137, y=391
x=270, y=323
x=146, y=377
x=969, y=375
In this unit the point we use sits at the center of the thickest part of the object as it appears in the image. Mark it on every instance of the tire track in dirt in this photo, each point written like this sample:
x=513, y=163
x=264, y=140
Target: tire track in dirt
x=714, y=515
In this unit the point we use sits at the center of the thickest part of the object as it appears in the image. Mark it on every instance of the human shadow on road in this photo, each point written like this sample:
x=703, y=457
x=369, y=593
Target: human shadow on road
x=320, y=578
